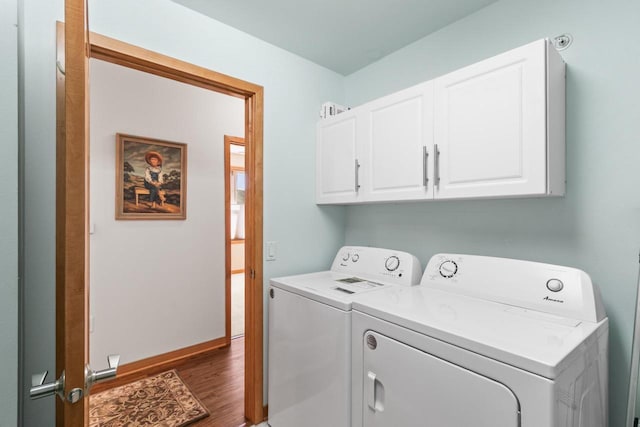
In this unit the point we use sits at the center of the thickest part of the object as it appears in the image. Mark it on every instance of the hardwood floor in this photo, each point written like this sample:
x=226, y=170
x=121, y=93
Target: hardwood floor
x=217, y=379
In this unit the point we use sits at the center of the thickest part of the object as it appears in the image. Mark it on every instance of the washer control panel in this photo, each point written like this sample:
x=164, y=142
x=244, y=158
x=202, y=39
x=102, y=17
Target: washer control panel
x=553, y=289
x=378, y=264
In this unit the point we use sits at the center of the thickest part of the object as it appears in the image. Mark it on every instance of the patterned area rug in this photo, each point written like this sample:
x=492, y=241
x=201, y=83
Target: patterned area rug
x=163, y=400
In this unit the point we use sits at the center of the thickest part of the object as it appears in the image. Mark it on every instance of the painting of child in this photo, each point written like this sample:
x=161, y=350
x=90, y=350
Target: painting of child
x=151, y=178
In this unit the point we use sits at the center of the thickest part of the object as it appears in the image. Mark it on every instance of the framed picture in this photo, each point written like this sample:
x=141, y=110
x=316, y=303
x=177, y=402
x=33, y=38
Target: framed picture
x=151, y=178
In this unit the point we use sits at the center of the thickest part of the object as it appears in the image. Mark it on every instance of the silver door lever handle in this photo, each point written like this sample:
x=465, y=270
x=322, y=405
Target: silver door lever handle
x=93, y=377
x=40, y=389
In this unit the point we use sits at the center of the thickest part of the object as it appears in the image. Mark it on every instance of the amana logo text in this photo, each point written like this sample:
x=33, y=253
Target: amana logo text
x=553, y=300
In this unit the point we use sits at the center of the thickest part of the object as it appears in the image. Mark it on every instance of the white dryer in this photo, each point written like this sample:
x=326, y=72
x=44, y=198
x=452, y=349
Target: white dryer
x=310, y=334
x=483, y=342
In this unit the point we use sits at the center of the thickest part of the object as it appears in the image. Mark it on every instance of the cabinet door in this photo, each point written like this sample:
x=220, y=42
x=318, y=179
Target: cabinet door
x=336, y=161
x=490, y=126
x=397, y=145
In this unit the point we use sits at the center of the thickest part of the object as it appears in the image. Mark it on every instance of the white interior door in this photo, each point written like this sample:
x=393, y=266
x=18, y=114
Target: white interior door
x=490, y=126
x=404, y=386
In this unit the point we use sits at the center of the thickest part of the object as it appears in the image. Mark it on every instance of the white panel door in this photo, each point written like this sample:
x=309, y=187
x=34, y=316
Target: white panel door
x=336, y=159
x=309, y=362
x=404, y=386
x=397, y=146
x=490, y=126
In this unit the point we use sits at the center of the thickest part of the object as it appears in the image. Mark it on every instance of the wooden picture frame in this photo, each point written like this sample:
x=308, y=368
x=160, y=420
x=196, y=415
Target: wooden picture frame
x=151, y=178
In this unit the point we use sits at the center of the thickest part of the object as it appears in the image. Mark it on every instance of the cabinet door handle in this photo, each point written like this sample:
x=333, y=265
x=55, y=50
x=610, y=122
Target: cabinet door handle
x=425, y=162
x=356, y=168
x=436, y=166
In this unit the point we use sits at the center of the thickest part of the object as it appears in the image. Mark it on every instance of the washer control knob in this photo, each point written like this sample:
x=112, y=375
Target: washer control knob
x=345, y=257
x=555, y=285
x=448, y=269
x=355, y=257
x=392, y=263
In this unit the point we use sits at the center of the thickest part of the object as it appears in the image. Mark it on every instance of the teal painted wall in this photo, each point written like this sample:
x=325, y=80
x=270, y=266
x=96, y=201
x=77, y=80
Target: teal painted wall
x=596, y=227
x=9, y=213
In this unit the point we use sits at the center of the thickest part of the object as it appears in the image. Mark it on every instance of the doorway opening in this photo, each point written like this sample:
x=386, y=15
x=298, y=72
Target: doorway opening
x=235, y=194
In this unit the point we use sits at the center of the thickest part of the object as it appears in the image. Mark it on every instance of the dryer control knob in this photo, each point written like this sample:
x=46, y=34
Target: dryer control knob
x=346, y=256
x=555, y=285
x=448, y=269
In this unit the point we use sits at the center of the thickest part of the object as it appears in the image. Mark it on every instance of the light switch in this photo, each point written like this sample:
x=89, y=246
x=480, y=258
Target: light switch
x=271, y=251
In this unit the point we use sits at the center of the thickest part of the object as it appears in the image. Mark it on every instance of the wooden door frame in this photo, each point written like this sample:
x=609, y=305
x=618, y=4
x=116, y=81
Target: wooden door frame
x=228, y=140
x=72, y=201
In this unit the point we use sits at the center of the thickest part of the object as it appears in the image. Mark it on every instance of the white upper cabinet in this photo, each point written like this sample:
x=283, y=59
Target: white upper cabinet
x=493, y=128
x=336, y=159
x=396, y=145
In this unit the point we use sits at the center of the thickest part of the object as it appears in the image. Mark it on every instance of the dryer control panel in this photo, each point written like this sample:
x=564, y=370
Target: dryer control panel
x=553, y=289
x=378, y=264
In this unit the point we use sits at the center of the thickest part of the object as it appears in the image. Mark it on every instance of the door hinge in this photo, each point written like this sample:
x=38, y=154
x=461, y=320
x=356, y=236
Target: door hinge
x=253, y=273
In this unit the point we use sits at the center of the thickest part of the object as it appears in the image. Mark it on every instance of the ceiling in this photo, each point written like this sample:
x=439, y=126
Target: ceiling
x=342, y=35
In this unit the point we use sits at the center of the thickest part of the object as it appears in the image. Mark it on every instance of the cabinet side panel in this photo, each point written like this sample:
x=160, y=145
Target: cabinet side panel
x=556, y=101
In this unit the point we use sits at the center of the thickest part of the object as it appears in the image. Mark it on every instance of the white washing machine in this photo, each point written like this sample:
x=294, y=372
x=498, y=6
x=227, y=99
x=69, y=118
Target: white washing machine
x=310, y=334
x=482, y=342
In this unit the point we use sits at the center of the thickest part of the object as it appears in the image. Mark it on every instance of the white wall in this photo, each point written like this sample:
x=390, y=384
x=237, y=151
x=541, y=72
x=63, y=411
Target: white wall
x=157, y=286
x=9, y=213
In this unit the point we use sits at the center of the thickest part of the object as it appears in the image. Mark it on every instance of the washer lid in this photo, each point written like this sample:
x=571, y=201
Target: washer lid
x=534, y=341
x=335, y=289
